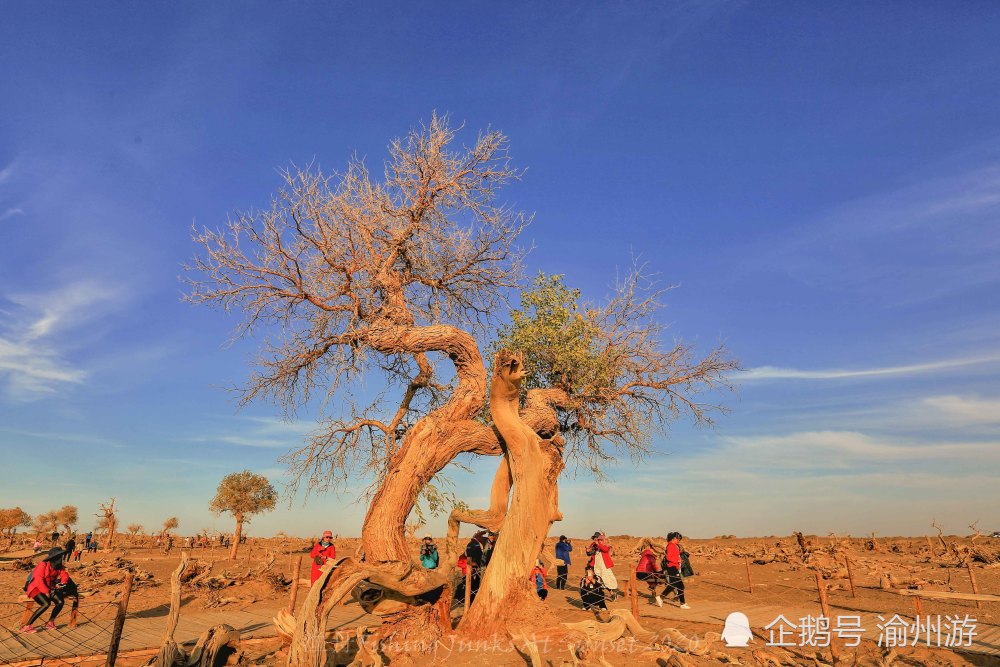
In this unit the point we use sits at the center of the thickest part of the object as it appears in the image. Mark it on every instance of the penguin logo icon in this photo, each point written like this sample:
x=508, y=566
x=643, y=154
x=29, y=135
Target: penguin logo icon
x=737, y=629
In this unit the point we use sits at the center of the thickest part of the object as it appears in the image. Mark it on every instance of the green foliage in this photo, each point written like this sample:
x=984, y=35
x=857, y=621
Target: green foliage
x=244, y=493
x=563, y=346
x=604, y=368
x=437, y=497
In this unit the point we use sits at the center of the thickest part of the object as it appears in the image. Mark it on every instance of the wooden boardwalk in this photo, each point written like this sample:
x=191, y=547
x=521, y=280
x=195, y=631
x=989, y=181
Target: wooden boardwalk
x=144, y=631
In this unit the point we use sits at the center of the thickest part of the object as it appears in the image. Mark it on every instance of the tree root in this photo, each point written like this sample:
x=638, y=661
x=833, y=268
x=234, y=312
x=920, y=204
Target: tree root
x=217, y=646
x=613, y=629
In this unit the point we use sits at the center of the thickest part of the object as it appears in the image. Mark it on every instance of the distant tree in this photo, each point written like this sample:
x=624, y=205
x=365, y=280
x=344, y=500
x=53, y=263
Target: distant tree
x=243, y=494
x=45, y=524
x=68, y=517
x=10, y=521
x=107, y=521
x=133, y=530
x=170, y=524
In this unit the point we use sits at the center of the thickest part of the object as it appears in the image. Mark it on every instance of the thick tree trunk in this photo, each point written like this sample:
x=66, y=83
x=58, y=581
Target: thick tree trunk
x=428, y=448
x=432, y=442
x=236, y=537
x=535, y=464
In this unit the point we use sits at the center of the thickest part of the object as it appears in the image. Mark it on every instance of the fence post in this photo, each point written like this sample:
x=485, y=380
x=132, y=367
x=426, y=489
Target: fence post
x=295, y=585
x=972, y=578
x=825, y=607
x=634, y=595
x=850, y=575
x=746, y=559
x=468, y=585
x=116, y=633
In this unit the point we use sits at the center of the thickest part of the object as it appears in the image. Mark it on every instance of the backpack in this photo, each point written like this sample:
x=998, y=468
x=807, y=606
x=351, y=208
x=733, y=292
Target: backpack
x=686, y=569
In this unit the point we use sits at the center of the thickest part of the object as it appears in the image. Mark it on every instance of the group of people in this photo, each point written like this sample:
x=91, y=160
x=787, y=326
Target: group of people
x=668, y=571
x=50, y=585
x=598, y=582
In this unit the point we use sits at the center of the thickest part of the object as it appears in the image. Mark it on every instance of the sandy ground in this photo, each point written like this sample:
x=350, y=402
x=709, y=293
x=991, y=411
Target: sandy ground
x=720, y=580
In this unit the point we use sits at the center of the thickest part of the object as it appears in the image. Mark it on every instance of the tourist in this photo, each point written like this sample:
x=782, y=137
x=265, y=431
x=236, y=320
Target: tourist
x=478, y=552
x=648, y=570
x=602, y=566
x=592, y=591
x=37, y=546
x=429, y=553
x=41, y=586
x=537, y=577
x=489, y=546
x=90, y=537
x=563, y=547
x=321, y=552
x=69, y=548
x=675, y=583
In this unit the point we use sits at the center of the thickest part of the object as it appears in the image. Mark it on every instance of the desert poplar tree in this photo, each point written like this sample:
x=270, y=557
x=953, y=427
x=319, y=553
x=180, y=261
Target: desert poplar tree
x=243, y=494
x=10, y=520
x=399, y=279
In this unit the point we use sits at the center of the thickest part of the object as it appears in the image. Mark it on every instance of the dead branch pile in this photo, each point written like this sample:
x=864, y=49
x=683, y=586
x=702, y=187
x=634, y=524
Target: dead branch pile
x=103, y=573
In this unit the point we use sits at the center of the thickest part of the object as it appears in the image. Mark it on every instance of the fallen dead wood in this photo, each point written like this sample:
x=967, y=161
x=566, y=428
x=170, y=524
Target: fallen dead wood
x=947, y=595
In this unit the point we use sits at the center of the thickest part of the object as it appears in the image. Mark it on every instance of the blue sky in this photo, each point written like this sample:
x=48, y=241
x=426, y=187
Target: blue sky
x=822, y=185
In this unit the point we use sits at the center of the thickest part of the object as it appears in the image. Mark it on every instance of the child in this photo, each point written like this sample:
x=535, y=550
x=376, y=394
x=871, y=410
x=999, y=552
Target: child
x=538, y=578
x=592, y=591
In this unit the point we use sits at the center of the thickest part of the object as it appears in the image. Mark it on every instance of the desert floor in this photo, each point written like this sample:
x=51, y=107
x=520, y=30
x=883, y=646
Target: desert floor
x=248, y=591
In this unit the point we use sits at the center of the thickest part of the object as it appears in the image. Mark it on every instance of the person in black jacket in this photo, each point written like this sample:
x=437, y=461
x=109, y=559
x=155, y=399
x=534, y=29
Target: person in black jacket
x=69, y=548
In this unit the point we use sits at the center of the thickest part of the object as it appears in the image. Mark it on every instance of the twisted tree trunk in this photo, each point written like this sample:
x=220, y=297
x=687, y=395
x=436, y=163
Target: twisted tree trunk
x=506, y=593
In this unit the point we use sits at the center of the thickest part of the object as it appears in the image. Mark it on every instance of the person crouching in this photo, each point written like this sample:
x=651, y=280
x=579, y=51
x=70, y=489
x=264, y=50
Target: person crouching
x=41, y=587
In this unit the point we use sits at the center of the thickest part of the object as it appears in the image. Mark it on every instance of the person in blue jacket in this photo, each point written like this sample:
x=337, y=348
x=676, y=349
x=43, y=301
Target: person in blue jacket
x=429, y=553
x=563, y=547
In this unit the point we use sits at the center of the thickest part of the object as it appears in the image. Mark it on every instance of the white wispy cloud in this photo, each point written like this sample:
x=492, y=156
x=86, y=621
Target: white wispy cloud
x=11, y=212
x=782, y=373
x=266, y=432
x=65, y=437
x=925, y=241
x=961, y=410
x=34, y=340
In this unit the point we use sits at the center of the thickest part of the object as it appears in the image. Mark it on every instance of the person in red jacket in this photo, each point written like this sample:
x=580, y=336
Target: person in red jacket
x=537, y=578
x=675, y=582
x=648, y=570
x=42, y=588
x=322, y=551
x=601, y=549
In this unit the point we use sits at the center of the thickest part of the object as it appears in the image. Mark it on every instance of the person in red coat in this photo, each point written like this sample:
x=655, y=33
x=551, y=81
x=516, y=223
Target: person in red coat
x=42, y=588
x=648, y=570
x=322, y=551
x=675, y=583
